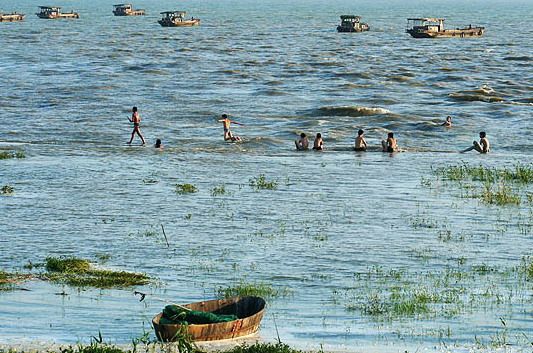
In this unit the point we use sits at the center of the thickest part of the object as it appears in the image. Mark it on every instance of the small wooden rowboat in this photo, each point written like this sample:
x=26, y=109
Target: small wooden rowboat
x=249, y=310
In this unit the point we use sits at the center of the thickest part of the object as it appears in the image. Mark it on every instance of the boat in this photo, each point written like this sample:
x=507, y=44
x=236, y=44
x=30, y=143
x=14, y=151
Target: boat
x=249, y=311
x=127, y=10
x=428, y=27
x=11, y=17
x=352, y=23
x=50, y=12
x=177, y=19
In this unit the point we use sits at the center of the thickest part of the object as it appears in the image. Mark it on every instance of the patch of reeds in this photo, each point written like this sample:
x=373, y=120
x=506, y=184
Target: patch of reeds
x=182, y=189
x=219, y=190
x=262, y=348
x=9, y=279
x=519, y=173
x=79, y=273
x=256, y=289
x=260, y=182
x=7, y=190
x=11, y=154
x=502, y=195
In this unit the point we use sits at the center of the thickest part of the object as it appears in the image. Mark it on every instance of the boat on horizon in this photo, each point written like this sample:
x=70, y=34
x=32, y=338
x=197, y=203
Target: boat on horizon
x=249, y=311
x=352, y=23
x=11, y=17
x=53, y=12
x=177, y=19
x=127, y=10
x=430, y=27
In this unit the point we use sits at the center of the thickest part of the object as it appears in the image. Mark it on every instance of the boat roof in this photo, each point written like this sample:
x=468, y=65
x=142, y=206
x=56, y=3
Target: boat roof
x=173, y=12
x=123, y=5
x=346, y=17
x=50, y=7
x=430, y=19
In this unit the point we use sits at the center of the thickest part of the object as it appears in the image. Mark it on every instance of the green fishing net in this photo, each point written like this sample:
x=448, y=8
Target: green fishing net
x=173, y=314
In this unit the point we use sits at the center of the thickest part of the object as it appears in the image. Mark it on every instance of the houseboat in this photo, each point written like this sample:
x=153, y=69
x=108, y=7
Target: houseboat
x=50, y=12
x=127, y=10
x=177, y=19
x=434, y=28
x=352, y=23
x=11, y=17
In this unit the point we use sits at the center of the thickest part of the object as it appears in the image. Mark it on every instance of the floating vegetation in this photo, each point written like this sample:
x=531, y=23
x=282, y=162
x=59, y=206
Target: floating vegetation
x=261, y=183
x=8, y=280
x=7, y=190
x=252, y=289
x=11, y=154
x=78, y=273
x=221, y=190
x=183, y=189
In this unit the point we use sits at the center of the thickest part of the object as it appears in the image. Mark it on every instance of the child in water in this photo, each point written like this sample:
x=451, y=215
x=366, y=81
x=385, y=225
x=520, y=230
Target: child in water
x=136, y=120
x=483, y=146
x=319, y=143
x=302, y=144
x=390, y=145
x=360, y=143
x=158, y=144
x=228, y=135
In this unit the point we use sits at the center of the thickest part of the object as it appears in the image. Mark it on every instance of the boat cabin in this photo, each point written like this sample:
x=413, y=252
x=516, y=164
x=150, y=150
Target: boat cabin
x=177, y=19
x=55, y=12
x=426, y=23
x=127, y=10
x=352, y=23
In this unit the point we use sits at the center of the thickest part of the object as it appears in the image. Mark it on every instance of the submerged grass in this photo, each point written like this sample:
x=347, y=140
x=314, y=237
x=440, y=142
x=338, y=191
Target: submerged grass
x=519, y=173
x=260, y=289
x=11, y=154
x=182, y=189
x=260, y=183
x=78, y=273
x=9, y=279
x=7, y=190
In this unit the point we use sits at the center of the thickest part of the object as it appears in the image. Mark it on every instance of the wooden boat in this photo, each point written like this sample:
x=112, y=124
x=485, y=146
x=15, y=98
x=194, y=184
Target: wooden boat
x=177, y=19
x=127, y=10
x=352, y=23
x=51, y=12
x=11, y=17
x=249, y=310
x=428, y=27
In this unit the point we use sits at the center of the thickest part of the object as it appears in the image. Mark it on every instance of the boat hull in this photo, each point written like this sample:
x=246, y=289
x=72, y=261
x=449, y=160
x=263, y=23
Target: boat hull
x=184, y=23
x=249, y=310
x=130, y=13
x=15, y=17
x=448, y=33
x=344, y=29
x=63, y=15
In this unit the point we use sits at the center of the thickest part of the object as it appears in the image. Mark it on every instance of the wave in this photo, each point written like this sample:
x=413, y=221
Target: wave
x=517, y=58
x=272, y=92
x=350, y=111
x=473, y=97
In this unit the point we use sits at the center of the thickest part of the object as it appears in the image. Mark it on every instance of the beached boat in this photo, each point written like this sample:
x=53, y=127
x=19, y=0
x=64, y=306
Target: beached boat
x=177, y=19
x=127, y=10
x=50, y=12
x=352, y=23
x=427, y=27
x=11, y=17
x=249, y=311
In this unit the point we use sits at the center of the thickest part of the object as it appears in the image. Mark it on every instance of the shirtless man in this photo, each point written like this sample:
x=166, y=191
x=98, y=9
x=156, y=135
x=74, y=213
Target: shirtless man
x=483, y=146
x=302, y=143
x=136, y=120
x=228, y=135
x=360, y=143
x=390, y=145
x=448, y=121
x=319, y=143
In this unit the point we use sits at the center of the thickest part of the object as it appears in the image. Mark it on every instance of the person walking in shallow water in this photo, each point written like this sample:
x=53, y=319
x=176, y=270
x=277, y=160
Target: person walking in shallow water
x=228, y=135
x=483, y=146
x=136, y=120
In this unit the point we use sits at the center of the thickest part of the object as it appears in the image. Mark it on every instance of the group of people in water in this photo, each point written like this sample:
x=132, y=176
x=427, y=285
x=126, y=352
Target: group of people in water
x=302, y=144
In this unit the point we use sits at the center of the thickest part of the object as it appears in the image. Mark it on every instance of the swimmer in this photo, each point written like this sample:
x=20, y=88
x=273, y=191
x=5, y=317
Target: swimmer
x=483, y=146
x=158, y=144
x=389, y=145
x=302, y=143
x=360, y=143
x=228, y=135
x=448, y=121
x=319, y=143
x=136, y=120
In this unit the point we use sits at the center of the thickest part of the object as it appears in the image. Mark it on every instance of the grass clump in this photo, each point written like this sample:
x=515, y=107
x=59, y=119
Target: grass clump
x=261, y=183
x=262, y=348
x=182, y=189
x=8, y=280
x=7, y=190
x=260, y=289
x=78, y=273
x=11, y=154
x=503, y=195
x=221, y=190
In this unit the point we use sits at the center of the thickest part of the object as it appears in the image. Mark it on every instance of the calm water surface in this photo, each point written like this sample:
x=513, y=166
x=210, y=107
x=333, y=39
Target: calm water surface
x=280, y=68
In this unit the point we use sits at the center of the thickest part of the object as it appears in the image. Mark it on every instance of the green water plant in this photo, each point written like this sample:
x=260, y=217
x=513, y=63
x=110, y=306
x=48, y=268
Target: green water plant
x=260, y=182
x=220, y=190
x=257, y=289
x=502, y=195
x=182, y=189
x=11, y=154
x=79, y=273
x=7, y=190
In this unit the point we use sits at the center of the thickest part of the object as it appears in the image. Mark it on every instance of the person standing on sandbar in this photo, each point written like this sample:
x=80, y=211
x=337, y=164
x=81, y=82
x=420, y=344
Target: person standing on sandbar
x=136, y=120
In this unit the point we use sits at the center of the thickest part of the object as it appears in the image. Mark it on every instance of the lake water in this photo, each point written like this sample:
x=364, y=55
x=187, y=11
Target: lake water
x=339, y=225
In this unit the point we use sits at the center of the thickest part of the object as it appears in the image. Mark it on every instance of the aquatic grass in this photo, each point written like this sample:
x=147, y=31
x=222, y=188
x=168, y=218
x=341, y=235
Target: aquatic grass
x=259, y=183
x=9, y=279
x=11, y=154
x=78, y=273
x=182, y=189
x=220, y=190
x=256, y=289
x=502, y=195
x=261, y=348
x=518, y=173
x=7, y=190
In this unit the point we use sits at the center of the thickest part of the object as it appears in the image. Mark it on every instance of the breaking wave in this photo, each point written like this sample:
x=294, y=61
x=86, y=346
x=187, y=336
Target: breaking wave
x=350, y=111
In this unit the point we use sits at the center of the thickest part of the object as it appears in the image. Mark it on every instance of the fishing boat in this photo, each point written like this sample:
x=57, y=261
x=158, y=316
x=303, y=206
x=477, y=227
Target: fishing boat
x=11, y=17
x=51, y=12
x=249, y=311
x=352, y=23
x=428, y=27
x=177, y=19
x=127, y=10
